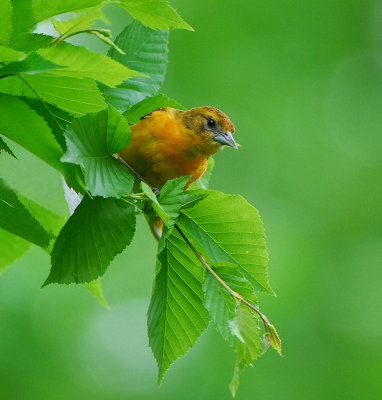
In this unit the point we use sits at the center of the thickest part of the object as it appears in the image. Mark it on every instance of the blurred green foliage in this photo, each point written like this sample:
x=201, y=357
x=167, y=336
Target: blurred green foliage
x=302, y=81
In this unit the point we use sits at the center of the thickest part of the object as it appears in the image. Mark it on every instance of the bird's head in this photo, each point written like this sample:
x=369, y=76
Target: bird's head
x=213, y=129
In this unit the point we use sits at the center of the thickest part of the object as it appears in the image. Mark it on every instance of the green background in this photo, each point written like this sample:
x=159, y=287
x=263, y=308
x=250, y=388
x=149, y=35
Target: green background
x=302, y=81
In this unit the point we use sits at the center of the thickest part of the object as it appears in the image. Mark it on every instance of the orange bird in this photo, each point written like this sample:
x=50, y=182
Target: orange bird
x=168, y=143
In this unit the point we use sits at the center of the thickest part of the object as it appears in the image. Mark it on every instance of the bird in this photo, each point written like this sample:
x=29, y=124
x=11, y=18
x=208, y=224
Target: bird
x=168, y=143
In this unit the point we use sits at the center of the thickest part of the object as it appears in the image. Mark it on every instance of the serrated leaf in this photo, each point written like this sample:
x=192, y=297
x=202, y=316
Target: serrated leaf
x=31, y=131
x=83, y=21
x=98, y=230
x=220, y=304
x=137, y=111
x=12, y=247
x=22, y=17
x=29, y=42
x=82, y=63
x=156, y=14
x=91, y=142
x=5, y=21
x=75, y=95
x=204, y=180
x=171, y=199
x=31, y=65
x=7, y=54
x=229, y=229
x=176, y=315
x=249, y=344
x=44, y=9
x=95, y=288
x=147, y=53
x=16, y=219
x=273, y=337
x=4, y=146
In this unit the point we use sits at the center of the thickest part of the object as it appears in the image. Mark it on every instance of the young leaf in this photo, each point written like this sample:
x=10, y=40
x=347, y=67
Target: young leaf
x=12, y=247
x=7, y=54
x=85, y=20
x=44, y=9
x=147, y=53
x=98, y=230
x=171, y=199
x=95, y=288
x=82, y=63
x=176, y=315
x=75, y=95
x=137, y=111
x=91, y=142
x=156, y=14
x=5, y=21
x=229, y=229
x=31, y=65
x=16, y=219
x=203, y=181
x=273, y=337
x=4, y=146
x=220, y=304
x=248, y=344
x=31, y=131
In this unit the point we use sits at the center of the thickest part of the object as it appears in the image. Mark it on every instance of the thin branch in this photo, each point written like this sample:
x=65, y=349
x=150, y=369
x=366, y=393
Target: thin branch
x=236, y=295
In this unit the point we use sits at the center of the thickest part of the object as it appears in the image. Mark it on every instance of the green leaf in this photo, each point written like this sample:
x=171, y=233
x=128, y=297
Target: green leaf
x=7, y=54
x=273, y=338
x=85, y=20
x=203, y=181
x=75, y=95
x=137, y=111
x=98, y=230
x=4, y=146
x=156, y=14
x=31, y=42
x=82, y=63
x=31, y=131
x=12, y=247
x=171, y=199
x=5, y=21
x=44, y=9
x=227, y=228
x=147, y=53
x=249, y=344
x=22, y=17
x=220, y=304
x=16, y=219
x=31, y=65
x=95, y=288
x=176, y=315
x=91, y=141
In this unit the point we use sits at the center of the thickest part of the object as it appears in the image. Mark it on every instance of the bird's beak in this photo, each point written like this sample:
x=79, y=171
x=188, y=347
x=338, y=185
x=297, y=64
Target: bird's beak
x=226, y=139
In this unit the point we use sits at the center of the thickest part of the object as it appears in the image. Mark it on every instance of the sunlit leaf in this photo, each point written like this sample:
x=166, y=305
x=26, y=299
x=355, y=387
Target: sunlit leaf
x=91, y=142
x=147, y=53
x=98, y=230
x=176, y=316
x=7, y=54
x=95, y=288
x=82, y=63
x=156, y=14
x=76, y=95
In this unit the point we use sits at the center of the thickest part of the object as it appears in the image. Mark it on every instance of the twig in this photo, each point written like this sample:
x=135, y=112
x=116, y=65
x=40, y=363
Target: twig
x=236, y=295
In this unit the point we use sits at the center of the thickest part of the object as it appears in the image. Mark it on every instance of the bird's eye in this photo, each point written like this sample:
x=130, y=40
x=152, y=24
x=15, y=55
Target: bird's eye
x=211, y=122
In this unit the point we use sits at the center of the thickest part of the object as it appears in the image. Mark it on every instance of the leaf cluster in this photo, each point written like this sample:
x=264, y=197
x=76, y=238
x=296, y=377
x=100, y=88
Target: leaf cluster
x=73, y=109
